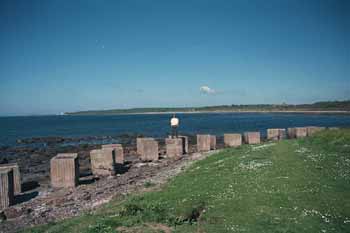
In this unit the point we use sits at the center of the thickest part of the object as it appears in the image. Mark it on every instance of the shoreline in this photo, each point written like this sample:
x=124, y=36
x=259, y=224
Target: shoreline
x=342, y=112
x=40, y=204
x=209, y=112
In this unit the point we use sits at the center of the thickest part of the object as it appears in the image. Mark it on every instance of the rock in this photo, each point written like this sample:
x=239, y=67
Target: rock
x=86, y=196
x=13, y=212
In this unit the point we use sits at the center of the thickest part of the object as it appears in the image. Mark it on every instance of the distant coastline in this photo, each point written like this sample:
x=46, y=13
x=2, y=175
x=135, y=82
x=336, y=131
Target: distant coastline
x=331, y=107
x=208, y=112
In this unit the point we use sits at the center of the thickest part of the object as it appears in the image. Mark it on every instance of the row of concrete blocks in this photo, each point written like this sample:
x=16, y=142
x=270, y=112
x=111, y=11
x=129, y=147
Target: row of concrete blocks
x=234, y=140
x=104, y=161
x=300, y=132
x=148, y=149
x=107, y=160
x=64, y=170
x=296, y=132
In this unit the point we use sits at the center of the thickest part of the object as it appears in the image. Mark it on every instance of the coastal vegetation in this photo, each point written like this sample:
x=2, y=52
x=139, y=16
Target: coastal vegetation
x=299, y=185
x=318, y=106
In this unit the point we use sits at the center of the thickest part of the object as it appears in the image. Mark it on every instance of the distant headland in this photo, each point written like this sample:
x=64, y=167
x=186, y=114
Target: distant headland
x=317, y=107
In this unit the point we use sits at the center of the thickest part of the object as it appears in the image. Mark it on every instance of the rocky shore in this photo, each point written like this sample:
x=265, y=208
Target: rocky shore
x=40, y=204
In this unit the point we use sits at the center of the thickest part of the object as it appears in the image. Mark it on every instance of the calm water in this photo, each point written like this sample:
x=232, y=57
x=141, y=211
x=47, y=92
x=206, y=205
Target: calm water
x=12, y=128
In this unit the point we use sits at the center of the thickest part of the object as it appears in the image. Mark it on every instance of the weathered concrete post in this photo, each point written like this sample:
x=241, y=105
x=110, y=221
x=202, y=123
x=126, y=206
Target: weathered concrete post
x=184, y=144
x=149, y=150
x=297, y=132
x=212, y=142
x=118, y=151
x=203, y=142
x=102, y=162
x=64, y=170
x=291, y=132
x=232, y=139
x=276, y=134
x=311, y=130
x=16, y=175
x=282, y=134
x=252, y=137
x=139, y=144
x=300, y=132
x=174, y=147
x=6, y=188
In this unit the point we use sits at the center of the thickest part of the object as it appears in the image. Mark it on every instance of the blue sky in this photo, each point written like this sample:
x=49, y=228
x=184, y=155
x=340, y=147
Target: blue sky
x=58, y=56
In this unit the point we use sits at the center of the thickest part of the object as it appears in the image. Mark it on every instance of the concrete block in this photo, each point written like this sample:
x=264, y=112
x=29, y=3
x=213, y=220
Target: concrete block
x=103, y=162
x=252, y=137
x=150, y=150
x=174, y=147
x=184, y=144
x=203, y=142
x=232, y=139
x=282, y=134
x=117, y=150
x=212, y=142
x=119, y=155
x=139, y=144
x=64, y=170
x=311, y=130
x=297, y=132
x=291, y=132
x=6, y=188
x=300, y=132
x=16, y=175
x=276, y=134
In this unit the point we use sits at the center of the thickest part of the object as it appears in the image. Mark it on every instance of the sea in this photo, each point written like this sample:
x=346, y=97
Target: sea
x=157, y=125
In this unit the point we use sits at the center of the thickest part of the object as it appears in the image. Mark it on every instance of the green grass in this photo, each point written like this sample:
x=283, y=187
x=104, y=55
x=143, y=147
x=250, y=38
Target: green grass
x=290, y=186
x=148, y=184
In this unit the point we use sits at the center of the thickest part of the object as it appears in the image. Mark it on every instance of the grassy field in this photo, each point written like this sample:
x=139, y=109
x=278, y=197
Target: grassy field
x=290, y=186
